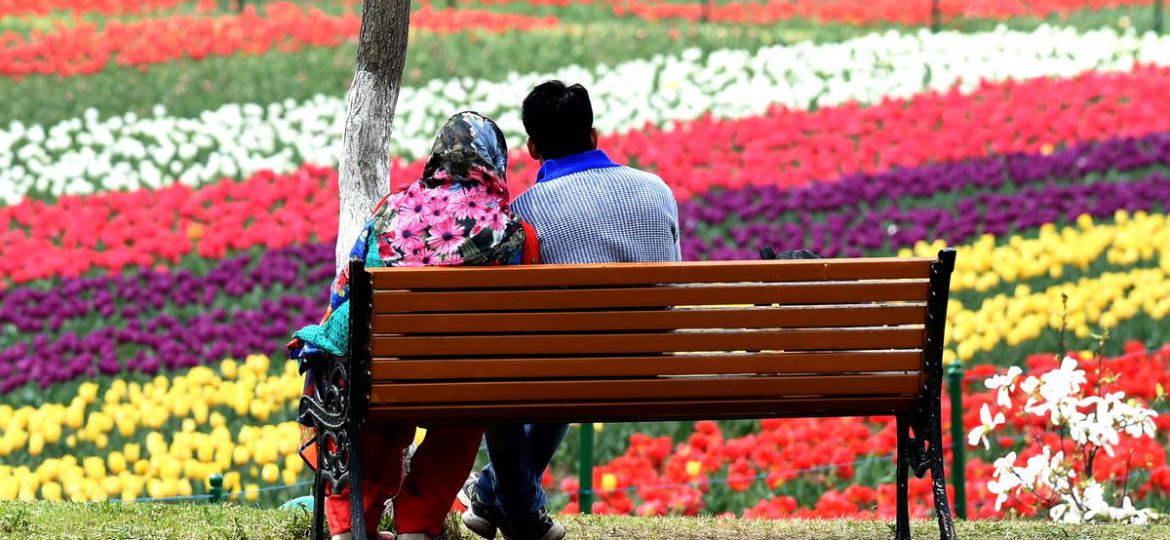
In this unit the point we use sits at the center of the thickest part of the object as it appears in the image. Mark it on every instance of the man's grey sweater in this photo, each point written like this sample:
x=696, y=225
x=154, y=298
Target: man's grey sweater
x=604, y=215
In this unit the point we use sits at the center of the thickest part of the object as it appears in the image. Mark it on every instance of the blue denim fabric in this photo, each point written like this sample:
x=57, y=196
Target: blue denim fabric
x=519, y=455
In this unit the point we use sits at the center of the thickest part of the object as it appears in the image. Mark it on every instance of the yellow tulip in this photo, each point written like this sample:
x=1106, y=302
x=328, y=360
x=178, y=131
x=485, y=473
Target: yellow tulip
x=95, y=467
x=252, y=493
x=171, y=469
x=87, y=392
x=51, y=491
x=155, y=488
x=293, y=462
x=36, y=443
x=199, y=412
x=112, y=485
x=240, y=455
x=9, y=488
x=259, y=410
x=132, y=452
x=270, y=473
x=51, y=432
x=126, y=429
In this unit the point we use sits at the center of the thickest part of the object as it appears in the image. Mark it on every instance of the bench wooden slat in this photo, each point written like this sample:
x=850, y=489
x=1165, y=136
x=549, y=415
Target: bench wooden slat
x=562, y=321
x=834, y=339
x=635, y=389
x=593, y=275
x=641, y=410
x=633, y=366
x=635, y=297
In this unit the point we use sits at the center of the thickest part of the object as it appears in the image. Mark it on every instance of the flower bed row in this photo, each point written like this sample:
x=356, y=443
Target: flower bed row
x=166, y=320
x=1097, y=302
x=25, y=8
x=113, y=231
x=143, y=228
x=793, y=148
x=85, y=49
x=149, y=321
x=189, y=87
x=230, y=282
x=789, y=148
x=859, y=12
x=163, y=343
x=954, y=202
x=867, y=12
x=158, y=439
x=165, y=437
x=710, y=472
x=90, y=154
x=783, y=149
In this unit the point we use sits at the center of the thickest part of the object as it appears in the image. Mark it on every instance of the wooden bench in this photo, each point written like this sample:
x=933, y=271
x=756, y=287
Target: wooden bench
x=625, y=342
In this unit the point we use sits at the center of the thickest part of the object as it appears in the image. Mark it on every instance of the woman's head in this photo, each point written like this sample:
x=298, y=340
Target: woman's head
x=457, y=213
x=468, y=148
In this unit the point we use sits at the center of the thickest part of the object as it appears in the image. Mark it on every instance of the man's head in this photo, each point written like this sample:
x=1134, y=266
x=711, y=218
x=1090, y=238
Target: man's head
x=559, y=121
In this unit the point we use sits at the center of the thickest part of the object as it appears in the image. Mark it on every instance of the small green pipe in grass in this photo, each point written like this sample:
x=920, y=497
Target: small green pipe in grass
x=585, y=473
x=958, y=452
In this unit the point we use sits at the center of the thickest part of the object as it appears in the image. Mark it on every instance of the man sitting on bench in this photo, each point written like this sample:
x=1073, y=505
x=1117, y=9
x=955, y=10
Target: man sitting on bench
x=585, y=209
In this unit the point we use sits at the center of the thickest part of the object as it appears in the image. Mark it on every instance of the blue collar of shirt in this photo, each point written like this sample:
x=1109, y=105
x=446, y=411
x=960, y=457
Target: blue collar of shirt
x=556, y=168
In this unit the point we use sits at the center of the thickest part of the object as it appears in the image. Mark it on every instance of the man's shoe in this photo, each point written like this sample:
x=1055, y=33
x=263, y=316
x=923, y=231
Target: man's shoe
x=540, y=527
x=481, y=518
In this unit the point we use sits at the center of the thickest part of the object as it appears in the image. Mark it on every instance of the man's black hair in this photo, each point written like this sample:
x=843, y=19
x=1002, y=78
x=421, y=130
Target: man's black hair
x=559, y=119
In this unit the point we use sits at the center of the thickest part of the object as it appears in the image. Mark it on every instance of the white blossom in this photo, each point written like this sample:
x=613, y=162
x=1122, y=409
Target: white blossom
x=1060, y=397
x=987, y=424
x=1004, y=385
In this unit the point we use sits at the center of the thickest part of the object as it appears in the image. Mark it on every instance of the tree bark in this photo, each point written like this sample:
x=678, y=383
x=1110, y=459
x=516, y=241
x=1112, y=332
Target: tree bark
x=365, y=155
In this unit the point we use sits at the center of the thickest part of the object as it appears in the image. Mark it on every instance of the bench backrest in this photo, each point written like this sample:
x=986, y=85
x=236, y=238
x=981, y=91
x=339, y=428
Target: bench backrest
x=649, y=341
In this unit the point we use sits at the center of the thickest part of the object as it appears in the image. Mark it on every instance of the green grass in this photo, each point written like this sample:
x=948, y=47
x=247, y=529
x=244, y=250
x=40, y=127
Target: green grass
x=111, y=521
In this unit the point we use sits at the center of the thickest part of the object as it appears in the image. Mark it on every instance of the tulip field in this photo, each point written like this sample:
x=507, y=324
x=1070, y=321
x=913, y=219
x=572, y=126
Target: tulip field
x=168, y=207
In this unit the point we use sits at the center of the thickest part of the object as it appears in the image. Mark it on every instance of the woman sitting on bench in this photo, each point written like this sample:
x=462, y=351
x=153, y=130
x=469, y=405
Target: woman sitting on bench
x=456, y=214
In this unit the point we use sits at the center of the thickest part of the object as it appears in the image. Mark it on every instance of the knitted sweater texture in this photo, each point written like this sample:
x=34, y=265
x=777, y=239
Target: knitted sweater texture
x=604, y=215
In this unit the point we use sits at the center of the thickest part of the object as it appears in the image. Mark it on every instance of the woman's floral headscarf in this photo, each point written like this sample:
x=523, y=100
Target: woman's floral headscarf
x=457, y=213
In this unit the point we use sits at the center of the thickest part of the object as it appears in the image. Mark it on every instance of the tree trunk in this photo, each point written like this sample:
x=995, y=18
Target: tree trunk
x=365, y=155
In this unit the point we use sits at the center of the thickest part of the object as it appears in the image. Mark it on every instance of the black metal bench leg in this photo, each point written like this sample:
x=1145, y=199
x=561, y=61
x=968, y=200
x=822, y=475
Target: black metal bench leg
x=318, y=532
x=357, y=517
x=902, y=526
x=938, y=477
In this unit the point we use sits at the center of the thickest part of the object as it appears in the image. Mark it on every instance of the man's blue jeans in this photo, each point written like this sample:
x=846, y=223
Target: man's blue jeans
x=519, y=455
